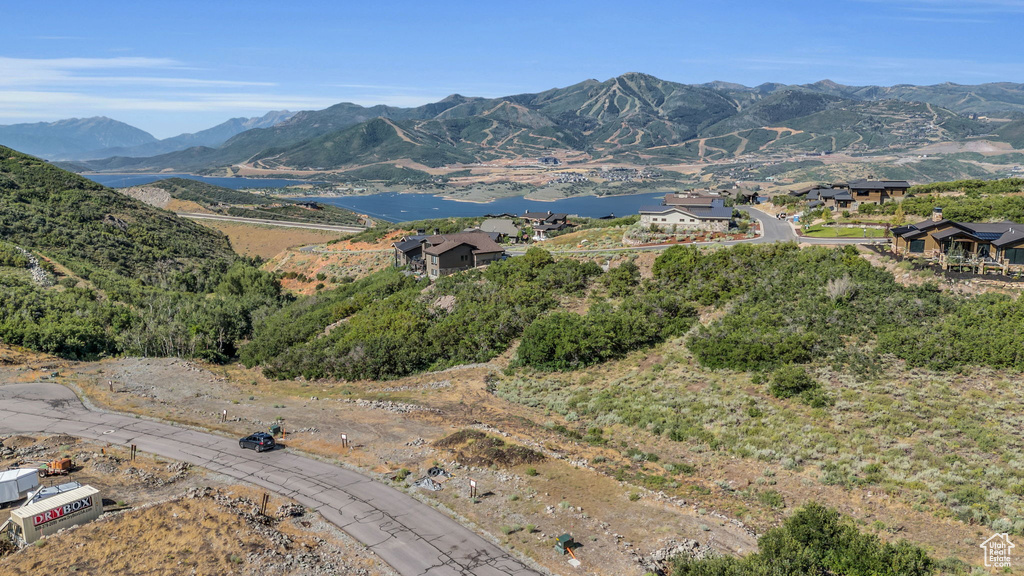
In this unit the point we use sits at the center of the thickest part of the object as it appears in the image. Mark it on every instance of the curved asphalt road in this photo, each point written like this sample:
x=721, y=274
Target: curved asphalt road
x=414, y=538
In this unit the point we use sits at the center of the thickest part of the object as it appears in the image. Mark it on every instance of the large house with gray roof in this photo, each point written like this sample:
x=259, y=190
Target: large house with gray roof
x=979, y=246
x=545, y=222
x=443, y=254
x=681, y=212
x=878, y=191
x=843, y=196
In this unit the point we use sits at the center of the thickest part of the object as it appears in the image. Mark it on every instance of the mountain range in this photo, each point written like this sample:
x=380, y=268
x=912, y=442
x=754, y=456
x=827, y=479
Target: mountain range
x=633, y=118
x=101, y=137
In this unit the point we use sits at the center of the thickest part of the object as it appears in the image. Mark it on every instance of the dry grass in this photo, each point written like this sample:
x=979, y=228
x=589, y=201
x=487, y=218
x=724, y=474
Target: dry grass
x=267, y=241
x=205, y=535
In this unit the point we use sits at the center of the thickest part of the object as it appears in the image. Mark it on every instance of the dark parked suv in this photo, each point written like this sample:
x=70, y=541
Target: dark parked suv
x=259, y=442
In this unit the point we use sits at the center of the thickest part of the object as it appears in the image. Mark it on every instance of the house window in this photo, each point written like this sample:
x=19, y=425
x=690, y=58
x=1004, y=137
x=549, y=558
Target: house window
x=1014, y=255
x=464, y=257
x=916, y=246
x=433, y=259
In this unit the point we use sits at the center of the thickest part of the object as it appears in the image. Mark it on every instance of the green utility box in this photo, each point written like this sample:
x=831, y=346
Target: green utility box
x=275, y=430
x=564, y=544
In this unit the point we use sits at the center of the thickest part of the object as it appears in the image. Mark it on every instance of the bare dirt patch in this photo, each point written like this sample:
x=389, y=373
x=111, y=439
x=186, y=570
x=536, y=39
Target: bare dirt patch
x=267, y=241
x=393, y=425
x=475, y=448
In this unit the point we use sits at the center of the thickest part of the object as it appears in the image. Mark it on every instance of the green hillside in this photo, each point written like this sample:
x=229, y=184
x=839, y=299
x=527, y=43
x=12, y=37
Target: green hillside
x=247, y=205
x=87, y=226
x=204, y=193
x=774, y=110
x=118, y=275
x=1013, y=133
x=375, y=141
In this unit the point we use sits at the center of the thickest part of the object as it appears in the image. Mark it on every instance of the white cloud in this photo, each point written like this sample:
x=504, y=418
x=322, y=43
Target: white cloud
x=956, y=6
x=24, y=104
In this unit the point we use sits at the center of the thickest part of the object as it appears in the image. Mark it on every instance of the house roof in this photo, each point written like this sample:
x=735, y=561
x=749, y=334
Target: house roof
x=480, y=243
x=952, y=232
x=702, y=212
x=878, y=184
x=409, y=243
x=494, y=235
x=545, y=216
x=502, y=225
x=1000, y=234
x=827, y=193
x=1010, y=237
x=700, y=200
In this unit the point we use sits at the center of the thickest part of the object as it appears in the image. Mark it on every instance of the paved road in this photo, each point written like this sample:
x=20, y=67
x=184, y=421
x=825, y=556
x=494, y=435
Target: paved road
x=281, y=223
x=775, y=230
x=414, y=538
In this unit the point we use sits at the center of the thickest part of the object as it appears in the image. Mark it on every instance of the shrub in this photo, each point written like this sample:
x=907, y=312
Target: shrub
x=789, y=381
x=813, y=541
x=771, y=499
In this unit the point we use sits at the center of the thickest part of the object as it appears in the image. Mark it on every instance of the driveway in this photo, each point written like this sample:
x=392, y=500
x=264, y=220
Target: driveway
x=775, y=230
x=412, y=537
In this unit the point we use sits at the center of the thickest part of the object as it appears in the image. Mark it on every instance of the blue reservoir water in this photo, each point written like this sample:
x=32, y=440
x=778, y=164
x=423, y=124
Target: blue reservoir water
x=125, y=180
x=395, y=207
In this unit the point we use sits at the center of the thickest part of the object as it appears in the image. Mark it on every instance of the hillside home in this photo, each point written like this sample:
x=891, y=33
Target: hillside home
x=878, y=191
x=409, y=251
x=831, y=198
x=707, y=213
x=980, y=247
x=442, y=254
x=449, y=253
x=545, y=222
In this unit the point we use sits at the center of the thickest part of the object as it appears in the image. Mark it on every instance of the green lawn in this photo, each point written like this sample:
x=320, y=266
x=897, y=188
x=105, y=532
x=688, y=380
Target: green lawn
x=819, y=231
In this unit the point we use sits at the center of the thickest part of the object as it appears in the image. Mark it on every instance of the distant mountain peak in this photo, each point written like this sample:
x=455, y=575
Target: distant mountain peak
x=637, y=75
x=826, y=83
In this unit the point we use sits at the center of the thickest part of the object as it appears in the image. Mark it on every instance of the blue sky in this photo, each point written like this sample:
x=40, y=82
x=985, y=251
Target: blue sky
x=174, y=67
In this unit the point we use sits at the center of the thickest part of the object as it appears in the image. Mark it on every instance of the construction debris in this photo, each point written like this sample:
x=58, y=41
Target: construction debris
x=428, y=484
x=434, y=472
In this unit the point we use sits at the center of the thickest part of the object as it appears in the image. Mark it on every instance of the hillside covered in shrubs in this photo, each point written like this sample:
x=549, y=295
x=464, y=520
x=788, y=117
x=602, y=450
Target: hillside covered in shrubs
x=132, y=279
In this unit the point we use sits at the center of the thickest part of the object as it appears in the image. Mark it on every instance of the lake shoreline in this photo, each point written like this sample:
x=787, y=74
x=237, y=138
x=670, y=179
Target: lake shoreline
x=409, y=203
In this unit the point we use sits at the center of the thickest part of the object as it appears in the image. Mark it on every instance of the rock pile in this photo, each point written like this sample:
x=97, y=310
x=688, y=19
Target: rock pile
x=39, y=276
x=659, y=561
x=398, y=407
